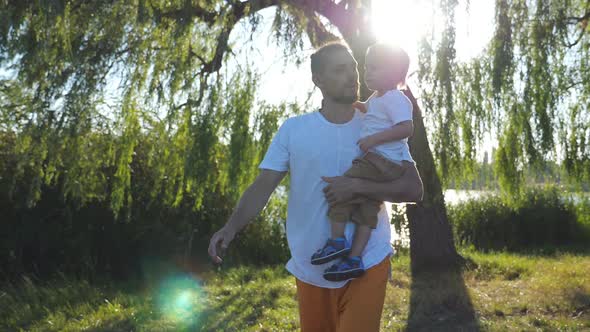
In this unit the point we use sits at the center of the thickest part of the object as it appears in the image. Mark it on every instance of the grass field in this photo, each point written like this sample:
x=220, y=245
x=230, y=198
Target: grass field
x=505, y=292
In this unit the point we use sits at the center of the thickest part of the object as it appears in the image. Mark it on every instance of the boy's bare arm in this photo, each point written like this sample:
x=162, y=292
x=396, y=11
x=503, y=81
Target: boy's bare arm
x=362, y=106
x=398, y=132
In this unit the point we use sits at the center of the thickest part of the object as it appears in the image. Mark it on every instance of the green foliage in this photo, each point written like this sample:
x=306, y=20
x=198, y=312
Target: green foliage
x=76, y=199
x=264, y=241
x=241, y=145
x=529, y=88
x=444, y=83
x=117, y=123
x=502, y=47
x=536, y=219
x=81, y=72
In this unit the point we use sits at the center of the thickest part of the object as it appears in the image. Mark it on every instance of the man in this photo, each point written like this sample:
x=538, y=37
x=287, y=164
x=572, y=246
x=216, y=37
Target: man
x=316, y=148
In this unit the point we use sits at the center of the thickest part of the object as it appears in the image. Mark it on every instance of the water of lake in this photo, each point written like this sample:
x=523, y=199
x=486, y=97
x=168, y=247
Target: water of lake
x=453, y=197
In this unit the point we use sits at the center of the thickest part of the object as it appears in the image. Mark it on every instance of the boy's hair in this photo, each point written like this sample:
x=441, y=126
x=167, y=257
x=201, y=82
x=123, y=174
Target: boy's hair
x=396, y=59
x=320, y=56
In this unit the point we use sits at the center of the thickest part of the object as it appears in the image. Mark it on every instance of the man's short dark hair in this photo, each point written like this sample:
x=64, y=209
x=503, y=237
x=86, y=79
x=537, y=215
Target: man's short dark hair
x=319, y=58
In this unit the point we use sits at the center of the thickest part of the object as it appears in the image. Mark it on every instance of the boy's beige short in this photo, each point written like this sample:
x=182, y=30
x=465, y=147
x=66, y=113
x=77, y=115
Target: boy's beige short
x=363, y=210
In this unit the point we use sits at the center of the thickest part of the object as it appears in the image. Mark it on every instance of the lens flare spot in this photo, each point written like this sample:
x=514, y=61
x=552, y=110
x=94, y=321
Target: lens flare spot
x=179, y=299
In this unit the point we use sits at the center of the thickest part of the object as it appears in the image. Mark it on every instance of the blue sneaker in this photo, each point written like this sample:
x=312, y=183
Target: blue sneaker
x=348, y=268
x=333, y=249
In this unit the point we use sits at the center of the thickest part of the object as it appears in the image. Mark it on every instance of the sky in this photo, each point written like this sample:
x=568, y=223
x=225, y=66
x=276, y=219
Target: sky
x=282, y=80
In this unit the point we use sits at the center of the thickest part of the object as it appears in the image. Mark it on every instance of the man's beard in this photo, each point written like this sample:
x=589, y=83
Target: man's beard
x=349, y=99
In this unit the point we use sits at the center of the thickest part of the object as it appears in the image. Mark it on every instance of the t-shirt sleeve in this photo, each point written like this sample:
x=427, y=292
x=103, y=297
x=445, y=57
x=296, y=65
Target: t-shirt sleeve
x=399, y=107
x=277, y=155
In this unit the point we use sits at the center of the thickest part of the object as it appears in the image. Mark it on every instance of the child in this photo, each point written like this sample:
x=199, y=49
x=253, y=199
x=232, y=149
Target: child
x=386, y=127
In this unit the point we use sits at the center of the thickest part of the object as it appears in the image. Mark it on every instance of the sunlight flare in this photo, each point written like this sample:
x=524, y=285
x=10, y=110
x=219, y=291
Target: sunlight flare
x=401, y=22
x=179, y=298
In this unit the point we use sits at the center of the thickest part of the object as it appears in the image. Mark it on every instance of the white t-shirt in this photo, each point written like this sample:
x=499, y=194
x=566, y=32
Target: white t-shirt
x=309, y=147
x=383, y=113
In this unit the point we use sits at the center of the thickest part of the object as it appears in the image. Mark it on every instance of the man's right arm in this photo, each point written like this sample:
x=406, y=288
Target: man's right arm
x=250, y=205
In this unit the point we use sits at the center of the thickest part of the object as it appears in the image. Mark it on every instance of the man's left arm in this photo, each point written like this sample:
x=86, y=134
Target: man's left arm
x=407, y=189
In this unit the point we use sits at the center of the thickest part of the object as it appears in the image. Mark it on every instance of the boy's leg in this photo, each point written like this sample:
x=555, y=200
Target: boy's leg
x=338, y=229
x=336, y=246
x=376, y=168
x=365, y=215
x=361, y=168
x=352, y=266
x=339, y=215
x=362, y=233
x=387, y=170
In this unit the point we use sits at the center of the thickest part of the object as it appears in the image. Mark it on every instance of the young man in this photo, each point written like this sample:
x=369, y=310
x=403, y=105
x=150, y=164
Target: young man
x=316, y=148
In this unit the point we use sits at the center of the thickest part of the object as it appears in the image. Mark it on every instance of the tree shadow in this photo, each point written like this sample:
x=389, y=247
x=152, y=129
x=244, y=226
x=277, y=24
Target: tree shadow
x=548, y=251
x=580, y=301
x=114, y=325
x=231, y=313
x=439, y=301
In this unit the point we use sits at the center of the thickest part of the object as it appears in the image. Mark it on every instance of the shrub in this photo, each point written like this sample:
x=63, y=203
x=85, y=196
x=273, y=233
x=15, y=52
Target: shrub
x=538, y=218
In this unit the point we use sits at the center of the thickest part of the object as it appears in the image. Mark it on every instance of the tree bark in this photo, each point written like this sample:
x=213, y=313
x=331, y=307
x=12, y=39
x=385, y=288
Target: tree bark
x=431, y=238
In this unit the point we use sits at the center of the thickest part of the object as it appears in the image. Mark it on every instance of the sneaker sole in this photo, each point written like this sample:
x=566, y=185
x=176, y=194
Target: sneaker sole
x=343, y=275
x=329, y=258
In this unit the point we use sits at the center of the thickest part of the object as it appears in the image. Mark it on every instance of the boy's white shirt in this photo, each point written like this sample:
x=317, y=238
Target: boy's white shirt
x=309, y=147
x=383, y=113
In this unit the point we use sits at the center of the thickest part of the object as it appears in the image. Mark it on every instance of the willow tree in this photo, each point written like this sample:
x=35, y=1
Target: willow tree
x=169, y=55
x=530, y=88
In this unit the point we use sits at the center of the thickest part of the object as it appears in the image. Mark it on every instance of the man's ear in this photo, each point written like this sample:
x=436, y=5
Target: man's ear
x=317, y=81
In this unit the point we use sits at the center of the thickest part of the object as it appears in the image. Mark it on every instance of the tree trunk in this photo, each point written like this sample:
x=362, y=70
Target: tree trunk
x=431, y=237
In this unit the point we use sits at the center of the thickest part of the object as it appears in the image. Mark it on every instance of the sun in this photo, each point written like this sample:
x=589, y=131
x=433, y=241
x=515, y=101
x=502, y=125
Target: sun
x=406, y=22
x=401, y=22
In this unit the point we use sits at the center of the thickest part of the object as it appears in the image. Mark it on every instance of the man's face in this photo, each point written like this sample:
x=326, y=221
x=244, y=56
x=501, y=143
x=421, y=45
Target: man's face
x=340, y=79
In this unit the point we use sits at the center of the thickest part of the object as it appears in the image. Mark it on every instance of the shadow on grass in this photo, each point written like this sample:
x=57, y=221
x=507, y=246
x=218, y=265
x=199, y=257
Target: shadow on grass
x=439, y=301
x=540, y=252
x=115, y=325
x=27, y=303
x=554, y=251
x=237, y=311
x=580, y=300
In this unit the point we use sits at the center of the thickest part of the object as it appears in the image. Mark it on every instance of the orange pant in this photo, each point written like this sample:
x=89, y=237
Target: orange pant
x=355, y=307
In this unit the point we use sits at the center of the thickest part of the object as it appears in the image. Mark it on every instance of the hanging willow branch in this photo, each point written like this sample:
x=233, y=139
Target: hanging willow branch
x=166, y=58
x=536, y=76
x=168, y=55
